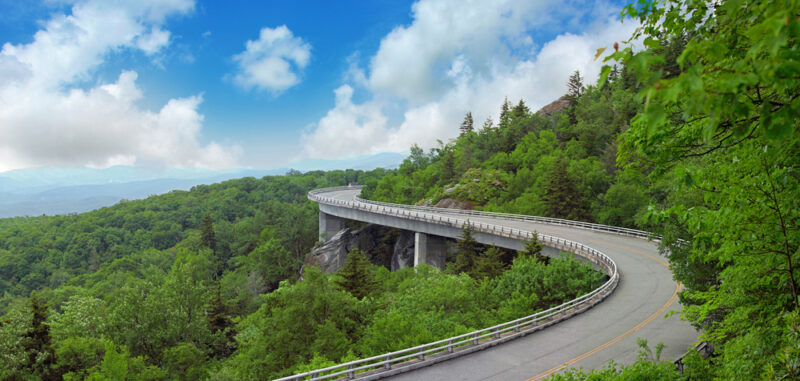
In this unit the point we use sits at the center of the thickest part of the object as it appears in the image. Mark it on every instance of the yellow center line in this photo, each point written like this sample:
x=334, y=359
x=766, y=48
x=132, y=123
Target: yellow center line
x=628, y=332
x=612, y=341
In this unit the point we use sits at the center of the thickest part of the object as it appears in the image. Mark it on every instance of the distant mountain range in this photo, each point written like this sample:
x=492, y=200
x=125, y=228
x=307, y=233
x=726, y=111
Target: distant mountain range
x=37, y=191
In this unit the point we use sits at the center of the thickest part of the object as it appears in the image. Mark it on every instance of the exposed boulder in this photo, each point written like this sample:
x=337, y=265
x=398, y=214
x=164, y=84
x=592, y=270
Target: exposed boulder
x=451, y=189
x=556, y=106
x=450, y=203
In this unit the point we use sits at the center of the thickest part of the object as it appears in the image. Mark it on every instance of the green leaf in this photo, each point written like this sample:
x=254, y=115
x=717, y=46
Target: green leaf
x=604, y=72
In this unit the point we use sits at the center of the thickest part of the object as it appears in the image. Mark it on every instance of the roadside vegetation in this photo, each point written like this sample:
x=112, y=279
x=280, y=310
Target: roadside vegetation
x=695, y=137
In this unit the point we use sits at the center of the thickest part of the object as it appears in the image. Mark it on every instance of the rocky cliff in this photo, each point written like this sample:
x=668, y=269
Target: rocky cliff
x=391, y=248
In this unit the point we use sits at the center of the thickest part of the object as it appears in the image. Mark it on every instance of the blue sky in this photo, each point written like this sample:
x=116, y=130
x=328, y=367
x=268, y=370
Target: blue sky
x=193, y=83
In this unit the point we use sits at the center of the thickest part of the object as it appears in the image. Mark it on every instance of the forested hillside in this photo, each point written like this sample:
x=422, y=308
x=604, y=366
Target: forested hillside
x=204, y=284
x=161, y=280
x=43, y=253
x=559, y=165
x=695, y=137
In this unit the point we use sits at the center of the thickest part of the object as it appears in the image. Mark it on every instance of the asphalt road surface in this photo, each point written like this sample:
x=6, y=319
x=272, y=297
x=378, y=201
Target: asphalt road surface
x=637, y=309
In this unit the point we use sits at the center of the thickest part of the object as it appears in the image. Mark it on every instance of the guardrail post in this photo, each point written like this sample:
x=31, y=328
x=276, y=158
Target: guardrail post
x=411, y=212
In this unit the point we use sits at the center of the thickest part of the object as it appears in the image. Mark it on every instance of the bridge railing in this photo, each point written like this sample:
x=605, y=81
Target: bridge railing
x=521, y=217
x=535, y=219
x=382, y=365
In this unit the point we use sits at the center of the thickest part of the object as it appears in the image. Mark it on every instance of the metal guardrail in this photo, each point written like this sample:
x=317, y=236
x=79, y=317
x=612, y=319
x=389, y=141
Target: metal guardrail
x=521, y=217
x=382, y=365
x=536, y=219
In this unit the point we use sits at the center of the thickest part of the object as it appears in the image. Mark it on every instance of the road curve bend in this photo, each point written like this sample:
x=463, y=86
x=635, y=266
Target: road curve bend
x=645, y=293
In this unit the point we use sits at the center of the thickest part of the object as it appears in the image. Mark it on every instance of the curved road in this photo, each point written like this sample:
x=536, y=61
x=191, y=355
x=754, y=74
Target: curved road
x=609, y=331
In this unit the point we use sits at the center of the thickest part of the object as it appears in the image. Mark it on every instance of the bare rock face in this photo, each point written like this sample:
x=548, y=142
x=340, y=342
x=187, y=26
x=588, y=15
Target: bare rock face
x=454, y=204
x=403, y=255
x=391, y=248
x=555, y=106
x=331, y=256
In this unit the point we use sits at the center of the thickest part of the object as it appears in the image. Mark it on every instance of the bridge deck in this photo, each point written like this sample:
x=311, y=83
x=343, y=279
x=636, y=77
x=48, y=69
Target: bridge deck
x=607, y=332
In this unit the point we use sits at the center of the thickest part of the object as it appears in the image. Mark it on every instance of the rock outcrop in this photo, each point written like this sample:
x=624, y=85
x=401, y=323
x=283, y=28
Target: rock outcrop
x=403, y=254
x=555, y=106
x=454, y=204
x=391, y=248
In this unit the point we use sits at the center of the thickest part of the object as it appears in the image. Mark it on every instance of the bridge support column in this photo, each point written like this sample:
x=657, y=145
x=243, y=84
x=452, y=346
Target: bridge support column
x=429, y=249
x=329, y=225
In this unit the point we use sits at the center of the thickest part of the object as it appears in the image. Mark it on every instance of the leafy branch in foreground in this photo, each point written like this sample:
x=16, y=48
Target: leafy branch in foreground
x=725, y=123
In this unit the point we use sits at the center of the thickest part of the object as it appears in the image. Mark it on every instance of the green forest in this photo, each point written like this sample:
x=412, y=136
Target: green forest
x=205, y=285
x=695, y=138
x=691, y=132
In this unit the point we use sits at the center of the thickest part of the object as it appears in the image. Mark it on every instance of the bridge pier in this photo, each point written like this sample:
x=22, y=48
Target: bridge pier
x=429, y=249
x=329, y=225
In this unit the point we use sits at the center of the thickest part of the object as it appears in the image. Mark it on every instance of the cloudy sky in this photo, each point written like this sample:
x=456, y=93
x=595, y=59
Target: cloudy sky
x=194, y=83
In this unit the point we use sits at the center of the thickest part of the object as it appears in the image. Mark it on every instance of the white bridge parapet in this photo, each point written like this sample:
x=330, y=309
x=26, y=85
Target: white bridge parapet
x=425, y=222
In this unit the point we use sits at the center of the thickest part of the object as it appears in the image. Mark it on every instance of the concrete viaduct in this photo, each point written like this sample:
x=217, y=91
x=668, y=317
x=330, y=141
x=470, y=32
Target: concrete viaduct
x=589, y=332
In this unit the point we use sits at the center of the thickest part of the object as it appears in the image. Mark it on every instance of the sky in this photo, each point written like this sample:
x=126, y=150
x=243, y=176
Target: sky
x=241, y=84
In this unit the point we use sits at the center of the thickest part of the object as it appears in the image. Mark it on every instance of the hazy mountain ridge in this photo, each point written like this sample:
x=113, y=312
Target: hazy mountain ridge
x=37, y=191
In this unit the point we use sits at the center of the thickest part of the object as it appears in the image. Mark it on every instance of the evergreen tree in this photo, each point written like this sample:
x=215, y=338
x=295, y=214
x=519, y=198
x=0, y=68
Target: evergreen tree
x=487, y=124
x=221, y=326
x=504, y=109
x=36, y=343
x=468, y=249
x=488, y=264
x=466, y=125
x=561, y=196
x=574, y=92
x=533, y=248
x=614, y=74
x=519, y=111
x=356, y=276
x=575, y=87
x=207, y=233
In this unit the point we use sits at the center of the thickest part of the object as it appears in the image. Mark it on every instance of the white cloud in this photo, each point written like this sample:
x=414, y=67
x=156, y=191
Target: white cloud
x=346, y=126
x=410, y=59
x=47, y=120
x=152, y=42
x=273, y=62
x=457, y=57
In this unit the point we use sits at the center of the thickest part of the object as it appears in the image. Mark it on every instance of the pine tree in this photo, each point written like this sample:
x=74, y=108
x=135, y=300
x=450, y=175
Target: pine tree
x=468, y=249
x=488, y=264
x=520, y=110
x=575, y=87
x=466, y=125
x=561, y=196
x=221, y=325
x=487, y=124
x=356, y=276
x=207, y=233
x=504, y=109
x=614, y=74
x=37, y=344
x=533, y=248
